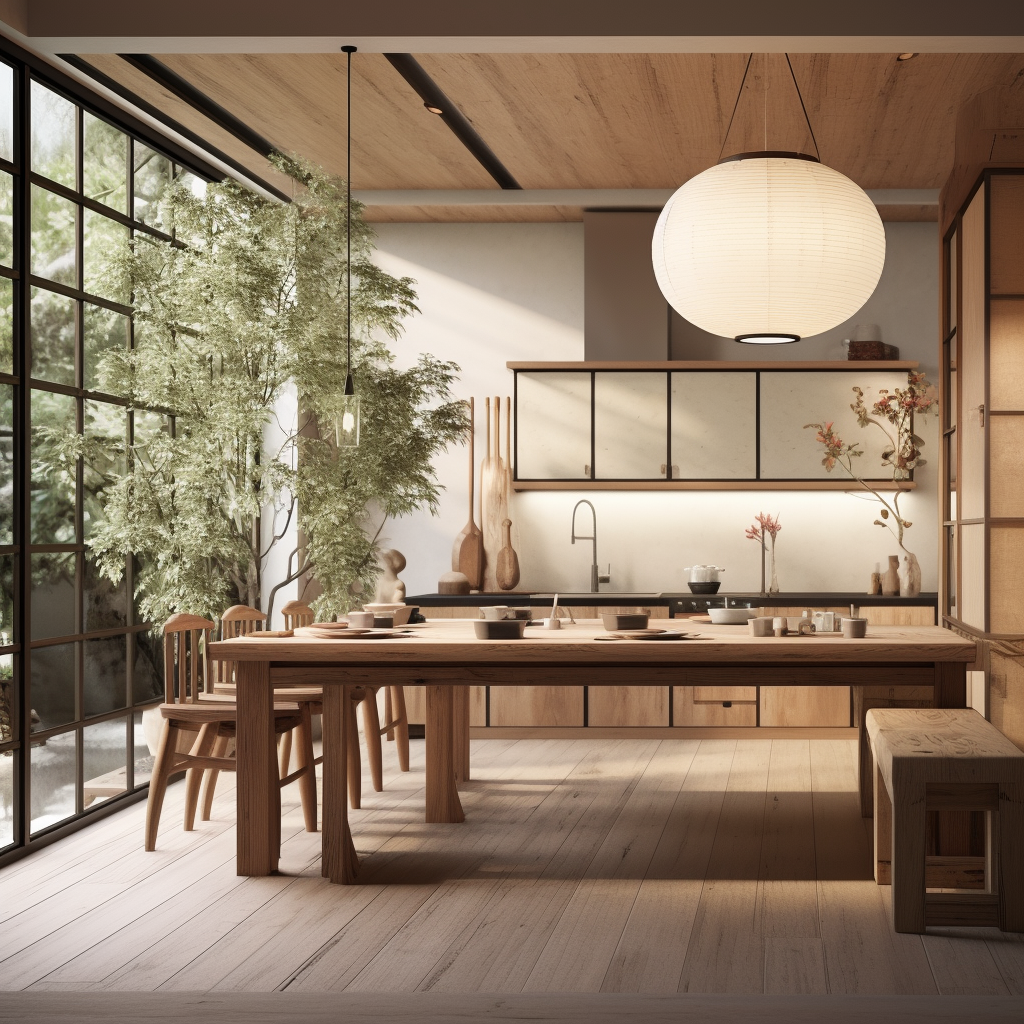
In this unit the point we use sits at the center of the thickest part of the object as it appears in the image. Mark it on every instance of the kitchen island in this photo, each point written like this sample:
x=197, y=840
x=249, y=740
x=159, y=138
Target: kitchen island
x=446, y=660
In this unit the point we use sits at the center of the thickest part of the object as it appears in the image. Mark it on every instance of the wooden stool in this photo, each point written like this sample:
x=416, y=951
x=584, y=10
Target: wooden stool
x=939, y=759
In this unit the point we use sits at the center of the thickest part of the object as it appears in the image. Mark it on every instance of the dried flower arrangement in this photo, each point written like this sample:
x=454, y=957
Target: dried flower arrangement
x=765, y=525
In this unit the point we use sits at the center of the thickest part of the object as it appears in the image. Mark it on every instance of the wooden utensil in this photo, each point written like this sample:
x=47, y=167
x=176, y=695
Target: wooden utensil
x=507, y=573
x=492, y=509
x=468, y=552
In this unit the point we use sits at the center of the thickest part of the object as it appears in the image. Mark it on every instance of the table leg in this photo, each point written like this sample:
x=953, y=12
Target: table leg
x=339, y=861
x=460, y=733
x=950, y=684
x=443, y=802
x=908, y=855
x=882, y=829
x=258, y=809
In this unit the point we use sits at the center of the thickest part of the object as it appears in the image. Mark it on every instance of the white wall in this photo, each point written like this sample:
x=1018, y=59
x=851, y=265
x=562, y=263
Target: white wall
x=496, y=292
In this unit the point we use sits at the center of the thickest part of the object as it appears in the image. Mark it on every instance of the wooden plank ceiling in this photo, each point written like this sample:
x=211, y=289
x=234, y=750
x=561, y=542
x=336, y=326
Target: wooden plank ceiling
x=569, y=121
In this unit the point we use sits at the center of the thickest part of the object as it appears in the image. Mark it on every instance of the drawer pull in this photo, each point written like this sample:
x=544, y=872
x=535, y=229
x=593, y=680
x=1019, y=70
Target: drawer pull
x=726, y=703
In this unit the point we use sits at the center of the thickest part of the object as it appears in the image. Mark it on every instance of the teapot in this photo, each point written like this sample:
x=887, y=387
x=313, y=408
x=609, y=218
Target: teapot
x=704, y=573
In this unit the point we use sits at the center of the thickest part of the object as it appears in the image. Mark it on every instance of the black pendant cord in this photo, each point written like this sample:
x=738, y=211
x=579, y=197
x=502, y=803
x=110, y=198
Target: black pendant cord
x=735, y=107
x=800, y=97
x=349, y=387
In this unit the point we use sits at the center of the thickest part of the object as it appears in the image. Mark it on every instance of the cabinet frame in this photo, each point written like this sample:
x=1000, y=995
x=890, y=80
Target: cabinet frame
x=668, y=482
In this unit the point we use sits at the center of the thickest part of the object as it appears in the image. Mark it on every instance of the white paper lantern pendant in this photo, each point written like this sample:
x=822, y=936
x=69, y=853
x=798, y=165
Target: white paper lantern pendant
x=768, y=247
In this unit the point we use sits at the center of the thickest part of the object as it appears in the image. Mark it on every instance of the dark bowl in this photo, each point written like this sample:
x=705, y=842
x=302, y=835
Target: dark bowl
x=704, y=588
x=499, y=629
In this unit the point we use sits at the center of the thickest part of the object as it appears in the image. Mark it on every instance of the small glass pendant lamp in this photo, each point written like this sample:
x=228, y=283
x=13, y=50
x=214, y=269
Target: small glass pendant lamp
x=346, y=423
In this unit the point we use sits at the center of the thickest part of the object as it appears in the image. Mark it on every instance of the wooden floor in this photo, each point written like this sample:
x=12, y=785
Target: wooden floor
x=631, y=866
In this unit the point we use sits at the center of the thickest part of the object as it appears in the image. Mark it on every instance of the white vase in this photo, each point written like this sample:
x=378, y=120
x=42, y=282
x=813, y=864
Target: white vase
x=910, y=576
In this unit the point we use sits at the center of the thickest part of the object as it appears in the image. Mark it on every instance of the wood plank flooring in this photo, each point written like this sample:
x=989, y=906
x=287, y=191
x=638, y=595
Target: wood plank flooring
x=652, y=867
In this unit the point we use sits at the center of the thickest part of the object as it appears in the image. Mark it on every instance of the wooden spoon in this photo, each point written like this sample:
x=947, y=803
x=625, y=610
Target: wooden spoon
x=468, y=551
x=507, y=572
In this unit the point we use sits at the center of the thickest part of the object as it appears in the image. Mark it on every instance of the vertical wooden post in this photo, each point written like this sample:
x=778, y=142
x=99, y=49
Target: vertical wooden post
x=258, y=793
x=882, y=830
x=460, y=733
x=1008, y=843
x=340, y=862
x=443, y=802
x=950, y=684
x=908, y=853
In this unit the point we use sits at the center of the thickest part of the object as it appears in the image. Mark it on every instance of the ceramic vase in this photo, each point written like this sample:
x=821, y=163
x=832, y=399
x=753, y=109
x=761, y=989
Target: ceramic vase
x=891, y=577
x=910, y=576
x=773, y=587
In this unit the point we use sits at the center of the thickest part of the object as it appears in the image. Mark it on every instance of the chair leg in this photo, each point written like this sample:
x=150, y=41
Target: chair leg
x=389, y=716
x=158, y=781
x=285, y=748
x=355, y=782
x=307, y=780
x=371, y=732
x=401, y=720
x=202, y=747
x=220, y=749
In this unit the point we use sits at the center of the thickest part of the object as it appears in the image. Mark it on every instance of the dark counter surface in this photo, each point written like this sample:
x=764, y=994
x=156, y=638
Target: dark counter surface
x=520, y=599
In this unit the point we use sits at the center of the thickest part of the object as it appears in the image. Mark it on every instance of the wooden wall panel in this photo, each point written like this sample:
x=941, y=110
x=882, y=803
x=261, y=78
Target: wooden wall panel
x=805, y=705
x=627, y=705
x=416, y=705
x=537, y=705
x=1006, y=479
x=1006, y=354
x=1006, y=275
x=1006, y=579
x=972, y=362
x=972, y=575
x=1006, y=696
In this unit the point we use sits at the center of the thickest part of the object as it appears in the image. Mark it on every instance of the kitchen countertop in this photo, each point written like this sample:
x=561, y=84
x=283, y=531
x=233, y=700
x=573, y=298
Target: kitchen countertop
x=521, y=599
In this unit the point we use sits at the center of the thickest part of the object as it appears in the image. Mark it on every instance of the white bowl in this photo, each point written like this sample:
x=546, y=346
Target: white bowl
x=731, y=616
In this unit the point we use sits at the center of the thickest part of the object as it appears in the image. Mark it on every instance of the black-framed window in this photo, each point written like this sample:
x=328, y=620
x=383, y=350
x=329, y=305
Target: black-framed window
x=77, y=666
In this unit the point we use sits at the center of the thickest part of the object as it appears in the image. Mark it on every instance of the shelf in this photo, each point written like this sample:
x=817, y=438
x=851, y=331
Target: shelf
x=707, y=485
x=722, y=364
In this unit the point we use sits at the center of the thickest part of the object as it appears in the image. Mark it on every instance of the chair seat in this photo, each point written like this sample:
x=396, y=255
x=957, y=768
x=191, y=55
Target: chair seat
x=217, y=711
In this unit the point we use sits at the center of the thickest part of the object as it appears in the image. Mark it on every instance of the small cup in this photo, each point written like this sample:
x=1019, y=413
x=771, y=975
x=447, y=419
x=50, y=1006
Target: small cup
x=495, y=611
x=760, y=626
x=855, y=629
x=552, y=623
x=360, y=620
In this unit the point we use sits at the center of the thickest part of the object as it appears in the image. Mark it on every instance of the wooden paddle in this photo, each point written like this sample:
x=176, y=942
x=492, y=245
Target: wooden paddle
x=491, y=509
x=507, y=573
x=468, y=552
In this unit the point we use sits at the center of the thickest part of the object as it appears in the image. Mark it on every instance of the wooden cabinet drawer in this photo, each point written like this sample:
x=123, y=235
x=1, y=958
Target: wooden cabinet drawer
x=717, y=694
x=551, y=706
x=627, y=705
x=823, y=706
x=687, y=710
x=416, y=705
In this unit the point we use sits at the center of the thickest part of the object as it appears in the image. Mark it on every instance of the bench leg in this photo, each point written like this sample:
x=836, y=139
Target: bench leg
x=882, y=829
x=908, y=856
x=1009, y=842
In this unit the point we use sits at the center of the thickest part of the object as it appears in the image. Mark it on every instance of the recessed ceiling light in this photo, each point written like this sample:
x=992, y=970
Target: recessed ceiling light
x=906, y=56
x=433, y=109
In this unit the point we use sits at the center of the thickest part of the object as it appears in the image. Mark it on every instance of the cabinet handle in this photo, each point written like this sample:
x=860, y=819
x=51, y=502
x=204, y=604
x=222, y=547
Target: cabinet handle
x=981, y=415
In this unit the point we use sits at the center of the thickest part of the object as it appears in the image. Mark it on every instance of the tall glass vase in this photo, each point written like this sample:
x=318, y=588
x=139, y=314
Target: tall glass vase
x=773, y=587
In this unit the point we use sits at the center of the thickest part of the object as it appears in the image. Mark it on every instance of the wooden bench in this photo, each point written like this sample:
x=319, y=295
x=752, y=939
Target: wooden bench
x=939, y=759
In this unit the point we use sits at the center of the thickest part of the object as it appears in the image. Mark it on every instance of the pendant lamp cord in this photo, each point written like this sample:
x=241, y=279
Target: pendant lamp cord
x=800, y=97
x=349, y=389
x=735, y=107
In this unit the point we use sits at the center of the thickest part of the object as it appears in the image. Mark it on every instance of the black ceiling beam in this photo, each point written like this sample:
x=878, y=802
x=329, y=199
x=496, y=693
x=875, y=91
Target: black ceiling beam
x=434, y=97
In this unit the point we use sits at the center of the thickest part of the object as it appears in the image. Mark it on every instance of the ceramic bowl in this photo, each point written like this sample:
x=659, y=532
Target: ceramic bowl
x=399, y=613
x=499, y=629
x=731, y=616
x=704, y=588
x=614, y=621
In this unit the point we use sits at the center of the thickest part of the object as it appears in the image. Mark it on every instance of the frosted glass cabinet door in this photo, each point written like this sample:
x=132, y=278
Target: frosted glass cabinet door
x=789, y=400
x=630, y=426
x=714, y=425
x=553, y=425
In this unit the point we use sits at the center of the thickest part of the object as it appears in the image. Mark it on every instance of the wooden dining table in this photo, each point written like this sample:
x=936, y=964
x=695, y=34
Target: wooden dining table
x=447, y=659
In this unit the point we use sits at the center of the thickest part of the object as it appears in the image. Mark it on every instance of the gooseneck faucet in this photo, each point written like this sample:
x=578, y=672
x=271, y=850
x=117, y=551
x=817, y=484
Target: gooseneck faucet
x=596, y=577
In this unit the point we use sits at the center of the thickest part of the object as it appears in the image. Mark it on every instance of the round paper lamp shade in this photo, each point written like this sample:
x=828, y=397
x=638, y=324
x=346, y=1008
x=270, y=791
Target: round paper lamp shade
x=768, y=246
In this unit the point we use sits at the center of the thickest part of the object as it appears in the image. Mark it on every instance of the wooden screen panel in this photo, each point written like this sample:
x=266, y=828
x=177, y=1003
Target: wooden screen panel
x=627, y=705
x=1006, y=354
x=972, y=575
x=1006, y=272
x=1006, y=579
x=1006, y=481
x=553, y=706
x=971, y=486
x=805, y=706
x=1006, y=696
x=688, y=711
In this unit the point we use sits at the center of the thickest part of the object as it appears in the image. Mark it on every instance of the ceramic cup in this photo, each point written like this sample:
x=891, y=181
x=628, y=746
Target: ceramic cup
x=552, y=623
x=854, y=629
x=495, y=611
x=360, y=620
x=760, y=626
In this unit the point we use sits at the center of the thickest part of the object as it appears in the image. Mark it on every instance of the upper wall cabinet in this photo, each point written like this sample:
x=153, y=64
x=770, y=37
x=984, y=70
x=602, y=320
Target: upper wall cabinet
x=692, y=425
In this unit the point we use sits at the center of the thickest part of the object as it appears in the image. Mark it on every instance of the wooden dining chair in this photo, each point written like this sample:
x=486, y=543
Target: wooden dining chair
x=189, y=708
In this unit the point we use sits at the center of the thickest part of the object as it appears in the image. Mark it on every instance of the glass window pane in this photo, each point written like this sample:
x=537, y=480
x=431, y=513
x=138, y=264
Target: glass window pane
x=8, y=725
x=104, y=163
x=104, y=604
x=53, y=136
x=143, y=755
x=105, y=676
x=53, y=780
x=103, y=330
x=52, y=325
x=6, y=325
x=104, y=761
x=148, y=667
x=52, y=686
x=6, y=600
x=6, y=464
x=6, y=218
x=152, y=174
x=54, y=485
x=103, y=239
x=53, y=594
x=6, y=798
x=53, y=237
x=106, y=432
x=6, y=111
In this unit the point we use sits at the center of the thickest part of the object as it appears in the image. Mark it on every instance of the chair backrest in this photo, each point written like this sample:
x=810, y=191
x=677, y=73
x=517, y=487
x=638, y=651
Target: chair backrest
x=297, y=613
x=185, y=668
x=238, y=620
